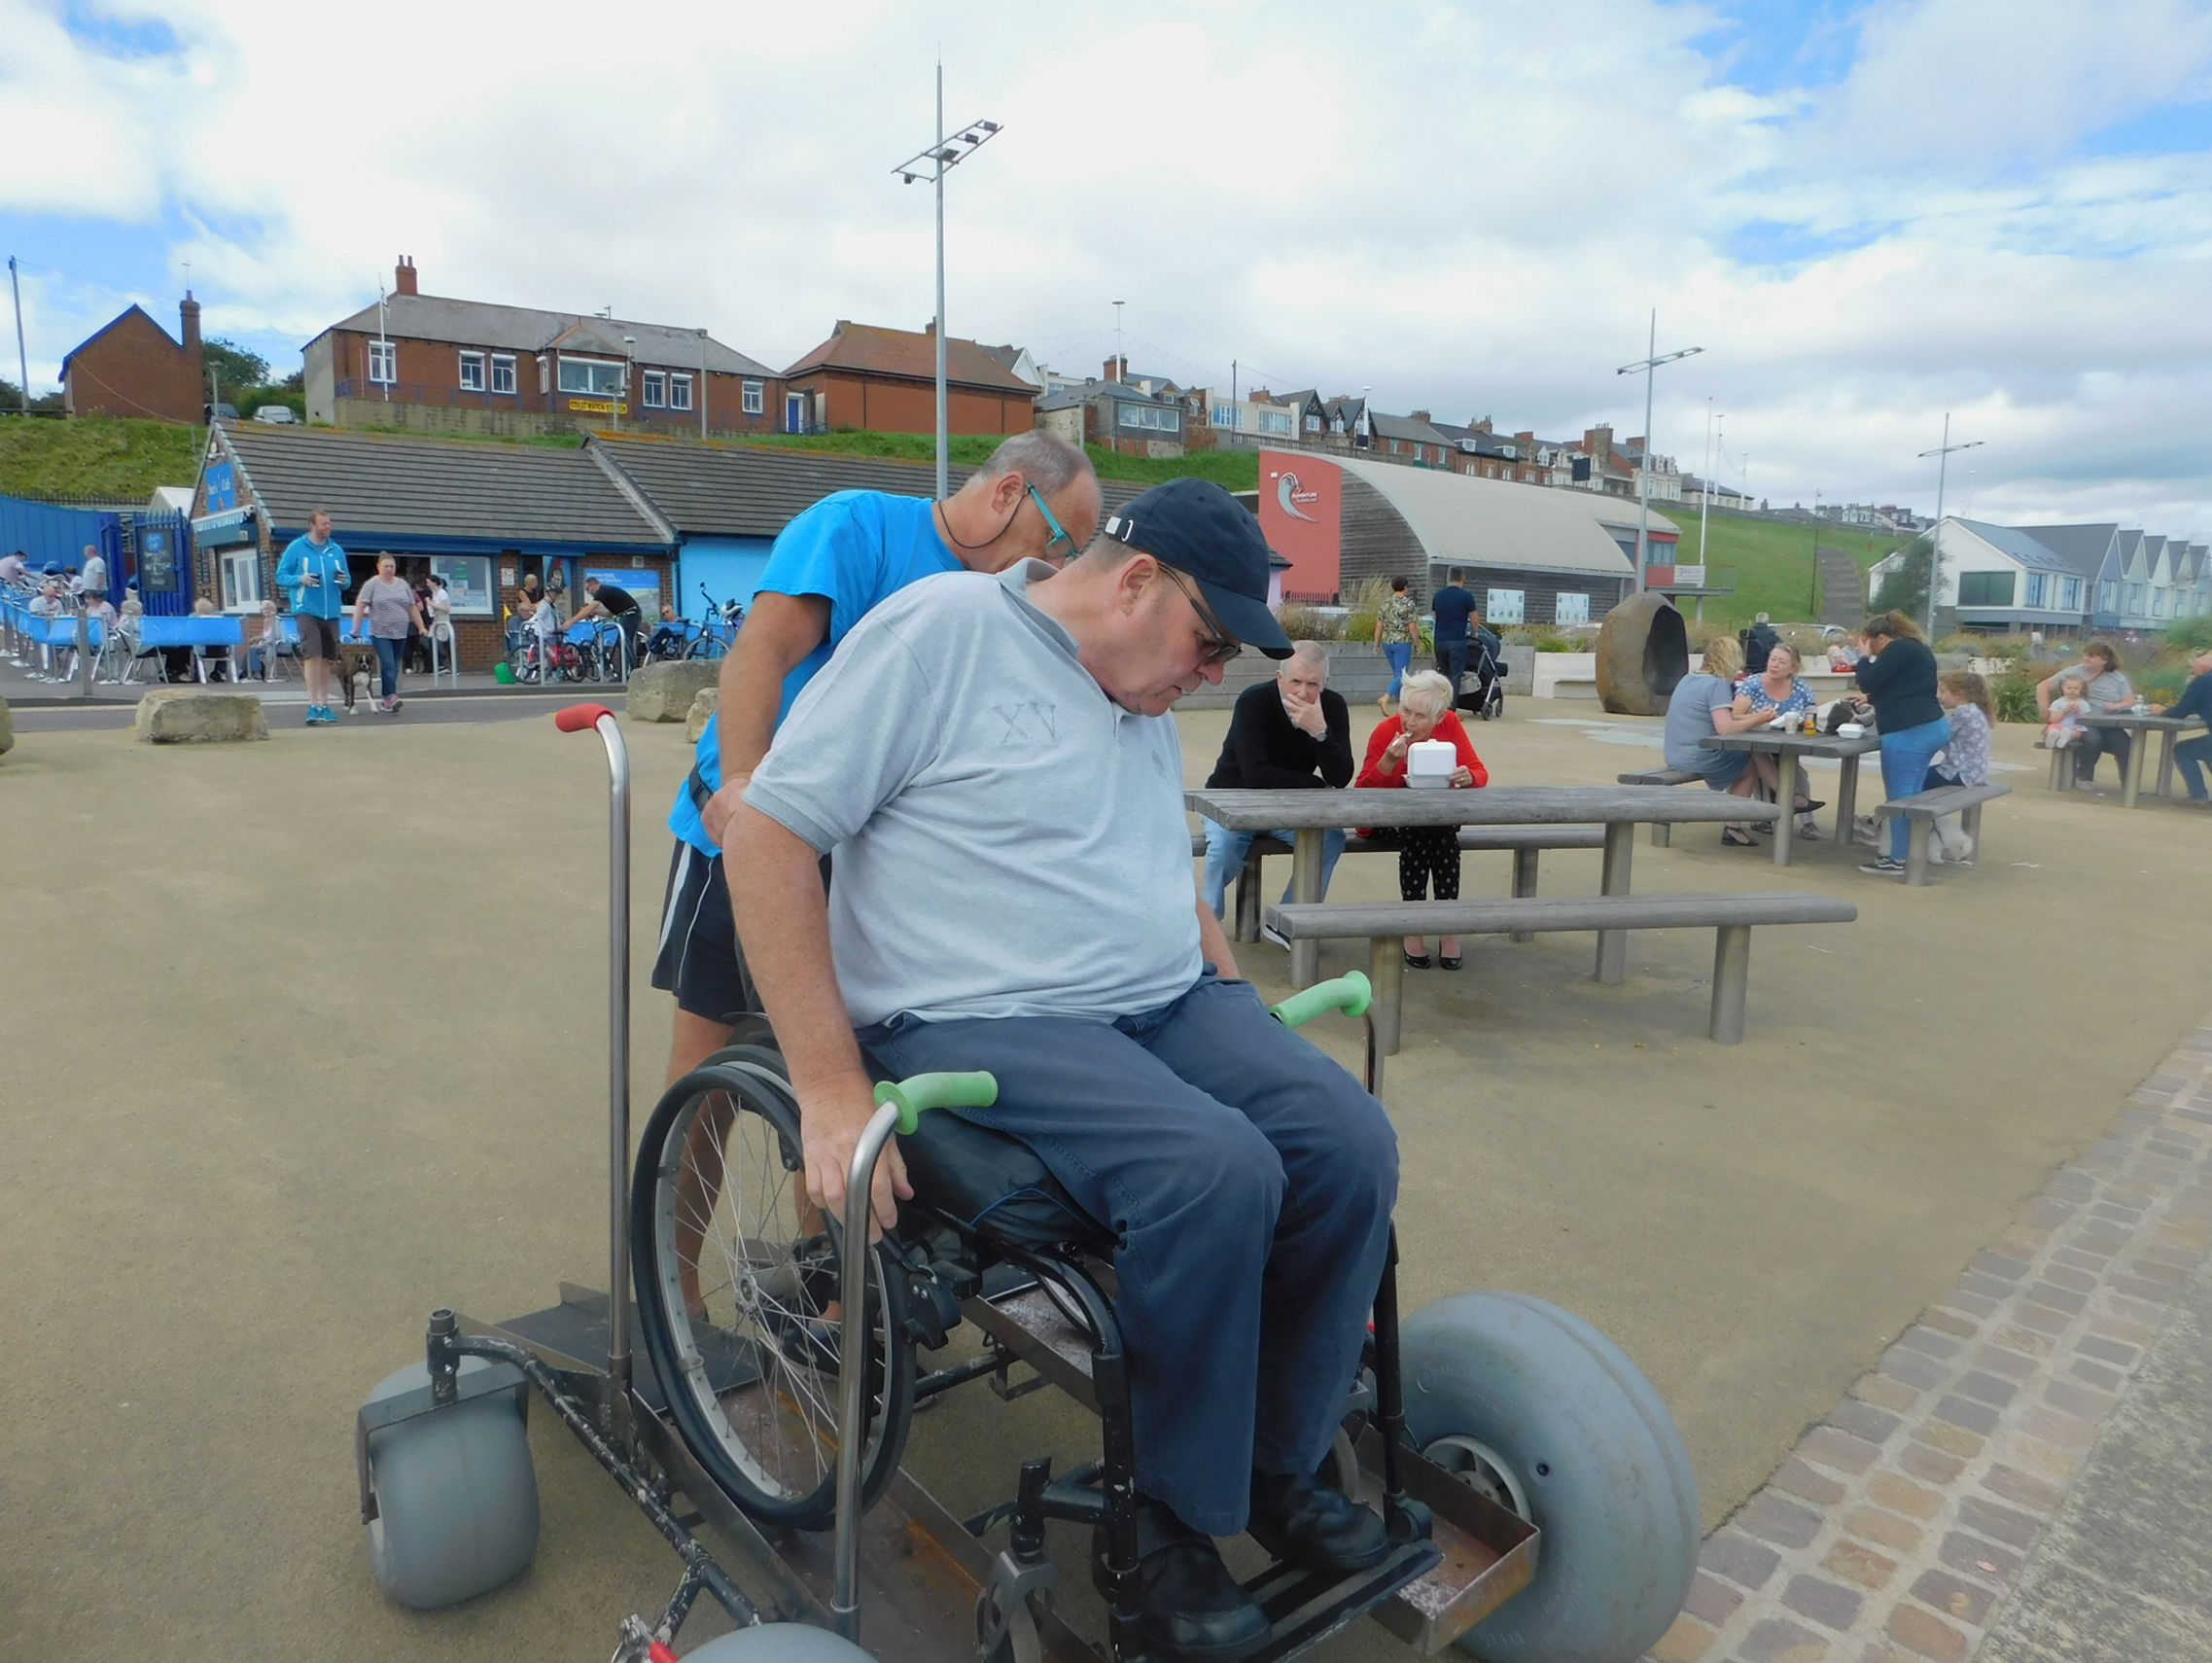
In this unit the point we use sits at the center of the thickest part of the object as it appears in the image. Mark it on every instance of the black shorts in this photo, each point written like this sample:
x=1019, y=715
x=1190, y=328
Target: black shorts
x=699, y=959
x=318, y=636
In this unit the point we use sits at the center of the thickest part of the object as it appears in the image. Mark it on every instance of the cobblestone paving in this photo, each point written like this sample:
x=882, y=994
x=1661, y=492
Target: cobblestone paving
x=1896, y=1528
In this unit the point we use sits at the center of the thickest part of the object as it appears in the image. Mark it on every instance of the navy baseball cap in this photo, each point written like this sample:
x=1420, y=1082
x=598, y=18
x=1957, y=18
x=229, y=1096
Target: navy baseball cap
x=1201, y=530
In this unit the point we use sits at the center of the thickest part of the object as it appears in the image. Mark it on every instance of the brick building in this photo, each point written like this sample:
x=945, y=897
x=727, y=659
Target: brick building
x=885, y=380
x=440, y=365
x=131, y=367
x=483, y=516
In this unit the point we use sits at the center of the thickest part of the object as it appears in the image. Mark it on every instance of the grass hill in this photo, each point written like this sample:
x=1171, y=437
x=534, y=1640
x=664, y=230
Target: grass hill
x=1233, y=470
x=109, y=457
x=1773, y=561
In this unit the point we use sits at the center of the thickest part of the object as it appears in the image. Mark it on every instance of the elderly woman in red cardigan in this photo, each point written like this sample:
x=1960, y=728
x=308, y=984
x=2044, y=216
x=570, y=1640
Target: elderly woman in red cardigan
x=1424, y=852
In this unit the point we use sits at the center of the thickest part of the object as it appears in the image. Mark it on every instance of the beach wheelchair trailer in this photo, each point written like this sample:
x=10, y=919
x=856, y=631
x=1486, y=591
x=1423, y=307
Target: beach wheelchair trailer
x=1536, y=1493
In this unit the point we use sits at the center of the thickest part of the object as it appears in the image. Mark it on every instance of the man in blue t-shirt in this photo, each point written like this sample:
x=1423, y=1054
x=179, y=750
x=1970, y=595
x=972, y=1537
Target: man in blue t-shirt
x=1454, y=608
x=1035, y=498
x=315, y=569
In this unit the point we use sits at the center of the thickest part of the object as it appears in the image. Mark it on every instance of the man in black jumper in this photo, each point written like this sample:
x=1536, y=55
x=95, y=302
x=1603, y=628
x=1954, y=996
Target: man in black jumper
x=1288, y=734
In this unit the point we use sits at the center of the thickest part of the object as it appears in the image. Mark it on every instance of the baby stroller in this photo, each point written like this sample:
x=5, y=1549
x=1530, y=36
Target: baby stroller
x=1482, y=684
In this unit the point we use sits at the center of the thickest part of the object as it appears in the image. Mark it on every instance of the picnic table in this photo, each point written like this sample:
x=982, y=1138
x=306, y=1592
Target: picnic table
x=2131, y=776
x=1787, y=749
x=1307, y=814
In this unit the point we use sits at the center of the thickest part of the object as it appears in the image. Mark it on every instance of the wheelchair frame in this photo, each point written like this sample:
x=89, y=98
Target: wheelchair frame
x=907, y=1560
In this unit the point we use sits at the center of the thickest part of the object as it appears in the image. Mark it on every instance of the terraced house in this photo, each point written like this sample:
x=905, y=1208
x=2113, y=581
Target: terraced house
x=2063, y=580
x=432, y=363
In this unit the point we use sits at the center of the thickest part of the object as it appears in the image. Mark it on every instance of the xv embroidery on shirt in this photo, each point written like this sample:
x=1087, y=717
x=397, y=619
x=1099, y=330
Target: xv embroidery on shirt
x=1020, y=719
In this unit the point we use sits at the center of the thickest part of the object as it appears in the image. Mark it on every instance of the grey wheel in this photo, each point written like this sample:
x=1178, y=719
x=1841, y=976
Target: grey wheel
x=456, y=1497
x=779, y=1643
x=1535, y=1406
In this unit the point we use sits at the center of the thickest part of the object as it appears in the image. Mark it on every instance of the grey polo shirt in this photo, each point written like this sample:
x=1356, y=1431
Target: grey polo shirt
x=1009, y=841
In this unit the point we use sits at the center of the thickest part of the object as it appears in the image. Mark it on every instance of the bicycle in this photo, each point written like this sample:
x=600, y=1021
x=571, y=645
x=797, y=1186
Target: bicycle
x=719, y=633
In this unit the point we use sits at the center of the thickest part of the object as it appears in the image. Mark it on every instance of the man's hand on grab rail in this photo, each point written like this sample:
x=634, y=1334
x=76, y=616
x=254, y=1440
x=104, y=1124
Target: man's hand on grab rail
x=831, y=1120
x=714, y=814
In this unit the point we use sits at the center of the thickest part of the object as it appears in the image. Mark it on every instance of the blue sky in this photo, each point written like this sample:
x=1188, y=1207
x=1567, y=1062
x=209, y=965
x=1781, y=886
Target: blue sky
x=1866, y=214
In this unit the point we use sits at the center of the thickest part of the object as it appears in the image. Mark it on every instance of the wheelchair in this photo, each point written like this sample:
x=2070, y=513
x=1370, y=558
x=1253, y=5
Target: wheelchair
x=1538, y=1497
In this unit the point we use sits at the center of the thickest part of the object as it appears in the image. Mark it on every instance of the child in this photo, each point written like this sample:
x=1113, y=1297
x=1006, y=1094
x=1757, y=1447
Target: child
x=1964, y=758
x=2066, y=713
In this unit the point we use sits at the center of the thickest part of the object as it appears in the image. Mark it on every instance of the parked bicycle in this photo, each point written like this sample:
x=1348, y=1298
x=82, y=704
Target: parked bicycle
x=719, y=633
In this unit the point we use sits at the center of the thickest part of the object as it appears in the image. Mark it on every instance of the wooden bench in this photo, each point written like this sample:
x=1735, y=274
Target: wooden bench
x=1527, y=844
x=1662, y=833
x=1385, y=925
x=1925, y=809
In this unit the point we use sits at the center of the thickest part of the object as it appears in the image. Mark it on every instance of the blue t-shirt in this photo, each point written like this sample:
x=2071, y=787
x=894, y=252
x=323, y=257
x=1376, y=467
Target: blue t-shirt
x=1455, y=606
x=854, y=549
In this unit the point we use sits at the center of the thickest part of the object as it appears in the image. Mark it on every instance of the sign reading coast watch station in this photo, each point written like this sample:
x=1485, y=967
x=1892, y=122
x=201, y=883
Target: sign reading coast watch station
x=598, y=407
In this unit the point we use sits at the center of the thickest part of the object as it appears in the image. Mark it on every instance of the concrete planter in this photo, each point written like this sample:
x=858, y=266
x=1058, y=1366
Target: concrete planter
x=1563, y=675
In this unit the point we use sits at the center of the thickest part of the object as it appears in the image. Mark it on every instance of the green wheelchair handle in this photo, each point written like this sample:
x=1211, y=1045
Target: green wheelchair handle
x=1348, y=993
x=920, y=1092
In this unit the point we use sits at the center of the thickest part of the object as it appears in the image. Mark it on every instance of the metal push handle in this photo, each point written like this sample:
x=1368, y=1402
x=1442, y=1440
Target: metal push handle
x=575, y=720
x=901, y=1105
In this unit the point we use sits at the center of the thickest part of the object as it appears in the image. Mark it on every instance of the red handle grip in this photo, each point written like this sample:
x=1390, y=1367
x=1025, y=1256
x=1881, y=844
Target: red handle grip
x=660, y=1653
x=578, y=717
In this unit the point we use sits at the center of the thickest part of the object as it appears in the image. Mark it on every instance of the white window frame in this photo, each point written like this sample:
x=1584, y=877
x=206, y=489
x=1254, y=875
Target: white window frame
x=654, y=390
x=472, y=372
x=678, y=390
x=383, y=363
x=1152, y=418
x=503, y=372
x=592, y=376
x=1229, y=416
x=1505, y=606
x=1277, y=422
x=2036, y=591
x=756, y=398
x=1313, y=423
x=242, y=569
x=1570, y=608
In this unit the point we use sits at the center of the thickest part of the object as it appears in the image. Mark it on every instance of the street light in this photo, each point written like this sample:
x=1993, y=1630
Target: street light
x=630, y=357
x=1646, y=367
x=1936, y=537
x=937, y=161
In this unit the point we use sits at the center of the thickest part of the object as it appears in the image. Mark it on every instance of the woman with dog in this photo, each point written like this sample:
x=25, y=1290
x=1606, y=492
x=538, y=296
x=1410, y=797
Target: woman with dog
x=390, y=606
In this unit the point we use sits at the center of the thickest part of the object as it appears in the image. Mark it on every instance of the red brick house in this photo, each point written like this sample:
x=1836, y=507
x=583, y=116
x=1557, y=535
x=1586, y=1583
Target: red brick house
x=427, y=362
x=884, y=379
x=131, y=367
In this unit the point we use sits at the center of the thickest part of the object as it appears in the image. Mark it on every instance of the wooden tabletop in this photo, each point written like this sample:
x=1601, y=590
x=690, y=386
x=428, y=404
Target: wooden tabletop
x=1803, y=744
x=1481, y=805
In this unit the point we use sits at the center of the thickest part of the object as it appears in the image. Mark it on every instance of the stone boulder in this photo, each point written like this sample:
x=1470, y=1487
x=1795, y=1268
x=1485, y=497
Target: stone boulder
x=702, y=712
x=1643, y=649
x=663, y=692
x=7, y=730
x=188, y=716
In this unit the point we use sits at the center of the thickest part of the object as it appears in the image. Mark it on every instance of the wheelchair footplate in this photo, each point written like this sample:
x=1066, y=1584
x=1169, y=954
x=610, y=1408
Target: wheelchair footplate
x=1429, y=1593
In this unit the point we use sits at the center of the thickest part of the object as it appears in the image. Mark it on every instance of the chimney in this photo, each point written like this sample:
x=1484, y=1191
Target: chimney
x=1483, y=426
x=1421, y=415
x=188, y=316
x=1525, y=438
x=929, y=329
x=404, y=275
x=1117, y=369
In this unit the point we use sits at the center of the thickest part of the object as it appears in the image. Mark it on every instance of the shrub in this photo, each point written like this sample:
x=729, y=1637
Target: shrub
x=1302, y=622
x=1359, y=622
x=2013, y=691
x=2191, y=636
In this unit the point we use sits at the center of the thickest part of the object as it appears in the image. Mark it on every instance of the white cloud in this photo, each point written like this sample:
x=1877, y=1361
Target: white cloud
x=1469, y=208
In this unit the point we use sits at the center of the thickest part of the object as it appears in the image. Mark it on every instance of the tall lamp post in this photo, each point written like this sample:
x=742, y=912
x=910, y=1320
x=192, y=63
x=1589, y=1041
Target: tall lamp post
x=1936, y=537
x=1646, y=367
x=936, y=162
x=1706, y=494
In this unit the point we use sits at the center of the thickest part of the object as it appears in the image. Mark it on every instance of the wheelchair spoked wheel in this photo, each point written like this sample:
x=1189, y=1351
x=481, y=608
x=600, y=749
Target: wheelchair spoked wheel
x=737, y=1288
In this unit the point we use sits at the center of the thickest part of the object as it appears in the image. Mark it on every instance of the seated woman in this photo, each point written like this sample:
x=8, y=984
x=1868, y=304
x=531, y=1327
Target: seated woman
x=2107, y=688
x=1778, y=691
x=1705, y=704
x=1424, y=852
x=262, y=641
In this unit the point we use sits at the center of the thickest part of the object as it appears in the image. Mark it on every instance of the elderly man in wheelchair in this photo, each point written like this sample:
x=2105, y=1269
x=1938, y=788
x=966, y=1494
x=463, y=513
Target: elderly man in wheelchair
x=991, y=760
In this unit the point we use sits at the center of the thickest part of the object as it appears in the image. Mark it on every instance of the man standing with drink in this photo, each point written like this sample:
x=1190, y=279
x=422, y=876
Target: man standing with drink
x=315, y=569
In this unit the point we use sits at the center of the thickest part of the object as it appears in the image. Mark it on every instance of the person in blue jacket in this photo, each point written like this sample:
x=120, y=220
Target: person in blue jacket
x=2192, y=754
x=315, y=569
x=1036, y=497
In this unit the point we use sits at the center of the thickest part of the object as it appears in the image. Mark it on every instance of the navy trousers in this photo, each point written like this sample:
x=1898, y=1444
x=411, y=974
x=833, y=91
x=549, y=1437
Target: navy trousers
x=1250, y=1181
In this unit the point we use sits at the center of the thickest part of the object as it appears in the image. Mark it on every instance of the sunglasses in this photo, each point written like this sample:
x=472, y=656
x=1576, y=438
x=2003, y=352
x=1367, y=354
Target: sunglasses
x=1217, y=645
x=1059, y=531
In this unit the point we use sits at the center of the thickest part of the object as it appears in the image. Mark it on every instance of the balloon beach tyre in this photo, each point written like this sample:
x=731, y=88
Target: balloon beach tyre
x=456, y=1497
x=1545, y=1414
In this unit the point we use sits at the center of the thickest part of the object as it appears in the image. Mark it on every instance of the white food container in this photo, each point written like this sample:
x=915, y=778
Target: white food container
x=1849, y=731
x=1430, y=763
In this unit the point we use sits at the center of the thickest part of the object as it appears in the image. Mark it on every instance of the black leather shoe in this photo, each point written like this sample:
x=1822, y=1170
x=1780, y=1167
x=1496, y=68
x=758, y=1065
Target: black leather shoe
x=1188, y=1606
x=1302, y=1520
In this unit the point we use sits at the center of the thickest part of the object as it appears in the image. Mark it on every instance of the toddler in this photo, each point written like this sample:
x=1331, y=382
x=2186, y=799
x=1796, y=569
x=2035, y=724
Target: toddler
x=1964, y=758
x=2066, y=713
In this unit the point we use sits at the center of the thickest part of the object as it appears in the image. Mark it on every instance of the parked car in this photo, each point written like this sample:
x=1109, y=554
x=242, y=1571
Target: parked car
x=277, y=415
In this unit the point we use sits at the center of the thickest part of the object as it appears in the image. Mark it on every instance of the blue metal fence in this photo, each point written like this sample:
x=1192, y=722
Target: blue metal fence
x=155, y=548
